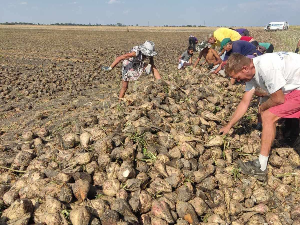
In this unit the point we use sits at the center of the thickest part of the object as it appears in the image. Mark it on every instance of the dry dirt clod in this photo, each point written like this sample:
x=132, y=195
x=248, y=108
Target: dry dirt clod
x=81, y=189
x=42, y=132
x=161, y=210
x=122, y=207
x=10, y=196
x=273, y=219
x=160, y=185
x=28, y=136
x=97, y=207
x=199, y=205
x=50, y=212
x=185, y=210
x=215, y=141
x=111, y=187
x=216, y=219
x=295, y=212
x=85, y=139
x=70, y=140
x=19, y=212
x=80, y=216
x=145, y=200
x=261, y=195
x=83, y=158
x=110, y=217
x=158, y=221
x=184, y=193
x=66, y=194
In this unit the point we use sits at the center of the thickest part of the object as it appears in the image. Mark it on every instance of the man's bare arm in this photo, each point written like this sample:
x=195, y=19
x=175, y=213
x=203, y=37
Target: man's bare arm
x=222, y=52
x=122, y=57
x=260, y=92
x=239, y=112
x=197, y=61
x=277, y=98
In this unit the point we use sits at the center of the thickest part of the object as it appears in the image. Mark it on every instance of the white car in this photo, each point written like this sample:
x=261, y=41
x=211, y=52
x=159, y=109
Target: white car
x=274, y=26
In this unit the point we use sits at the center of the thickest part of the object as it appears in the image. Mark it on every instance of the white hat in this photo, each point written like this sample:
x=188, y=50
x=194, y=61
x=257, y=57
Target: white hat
x=148, y=49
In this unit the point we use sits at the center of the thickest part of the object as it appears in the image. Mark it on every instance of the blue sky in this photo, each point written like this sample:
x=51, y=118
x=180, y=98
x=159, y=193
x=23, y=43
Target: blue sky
x=156, y=12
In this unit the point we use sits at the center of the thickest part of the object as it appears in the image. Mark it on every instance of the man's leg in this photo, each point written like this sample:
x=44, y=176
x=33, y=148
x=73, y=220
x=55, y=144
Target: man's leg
x=257, y=168
x=268, y=135
x=124, y=87
x=190, y=42
x=186, y=64
x=268, y=132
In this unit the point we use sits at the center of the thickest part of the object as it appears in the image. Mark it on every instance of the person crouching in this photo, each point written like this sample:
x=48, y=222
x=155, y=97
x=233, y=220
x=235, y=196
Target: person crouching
x=133, y=64
x=186, y=58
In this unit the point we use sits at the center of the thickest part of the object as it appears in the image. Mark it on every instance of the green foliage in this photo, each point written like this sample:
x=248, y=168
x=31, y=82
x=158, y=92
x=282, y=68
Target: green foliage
x=99, y=196
x=139, y=138
x=120, y=108
x=188, y=180
x=217, y=109
x=149, y=156
x=205, y=217
x=166, y=89
x=236, y=173
x=66, y=214
x=226, y=144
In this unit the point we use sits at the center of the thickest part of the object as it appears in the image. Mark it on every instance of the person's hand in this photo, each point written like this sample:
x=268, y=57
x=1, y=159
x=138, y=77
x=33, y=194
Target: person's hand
x=106, y=68
x=225, y=130
x=148, y=69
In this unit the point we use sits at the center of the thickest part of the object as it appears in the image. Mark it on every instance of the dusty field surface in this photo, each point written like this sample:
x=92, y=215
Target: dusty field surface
x=71, y=153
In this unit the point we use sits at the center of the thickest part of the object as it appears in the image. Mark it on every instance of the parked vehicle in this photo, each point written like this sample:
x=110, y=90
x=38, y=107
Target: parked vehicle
x=274, y=26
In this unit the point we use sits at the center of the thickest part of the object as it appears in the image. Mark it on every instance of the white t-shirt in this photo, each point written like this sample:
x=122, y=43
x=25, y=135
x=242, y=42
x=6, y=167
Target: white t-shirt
x=274, y=71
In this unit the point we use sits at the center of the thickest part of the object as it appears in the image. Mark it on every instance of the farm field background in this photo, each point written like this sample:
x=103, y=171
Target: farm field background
x=75, y=56
x=52, y=91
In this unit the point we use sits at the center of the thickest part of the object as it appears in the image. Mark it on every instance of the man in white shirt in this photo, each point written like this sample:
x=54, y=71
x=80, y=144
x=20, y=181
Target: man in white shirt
x=279, y=75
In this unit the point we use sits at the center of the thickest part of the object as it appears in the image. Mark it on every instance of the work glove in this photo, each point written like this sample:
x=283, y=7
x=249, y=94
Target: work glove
x=148, y=69
x=106, y=68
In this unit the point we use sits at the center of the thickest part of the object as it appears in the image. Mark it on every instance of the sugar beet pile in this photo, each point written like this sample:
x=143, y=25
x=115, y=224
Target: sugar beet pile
x=155, y=158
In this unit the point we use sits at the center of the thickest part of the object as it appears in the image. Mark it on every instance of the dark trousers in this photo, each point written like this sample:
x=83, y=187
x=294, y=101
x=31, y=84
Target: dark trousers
x=192, y=43
x=270, y=49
